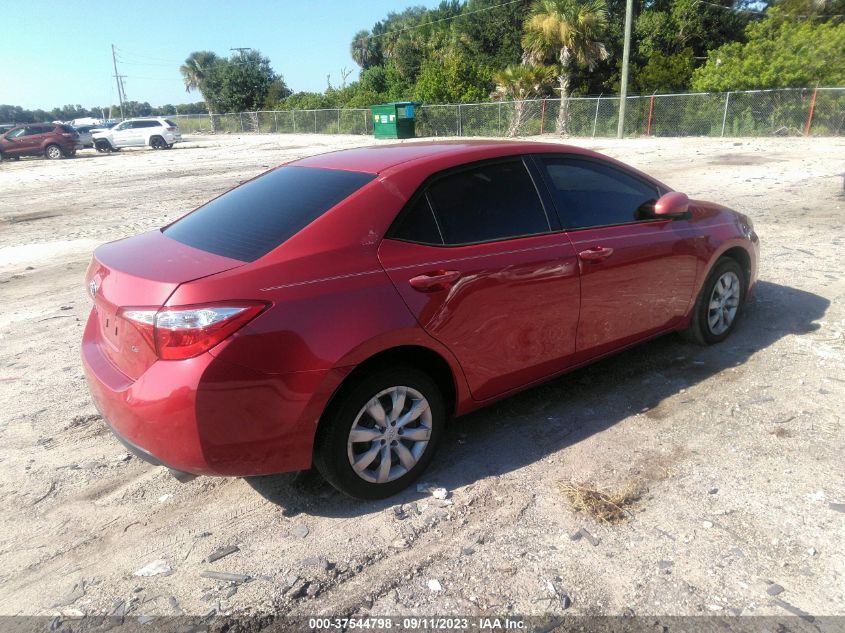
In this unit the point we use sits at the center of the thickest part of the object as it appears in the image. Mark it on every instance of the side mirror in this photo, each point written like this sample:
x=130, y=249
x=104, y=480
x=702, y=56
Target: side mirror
x=671, y=205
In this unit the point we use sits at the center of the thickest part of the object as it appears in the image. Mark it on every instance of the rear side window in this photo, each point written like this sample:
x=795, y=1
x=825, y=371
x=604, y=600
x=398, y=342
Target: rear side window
x=253, y=219
x=417, y=224
x=170, y=123
x=489, y=202
x=588, y=193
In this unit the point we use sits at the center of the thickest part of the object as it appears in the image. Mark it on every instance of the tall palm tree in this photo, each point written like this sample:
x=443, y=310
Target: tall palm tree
x=569, y=30
x=364, y=49
x=519, y=83
x=194, y=71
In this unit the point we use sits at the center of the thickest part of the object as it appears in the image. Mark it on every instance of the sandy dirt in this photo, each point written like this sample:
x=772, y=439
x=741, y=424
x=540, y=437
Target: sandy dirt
x=738, y=447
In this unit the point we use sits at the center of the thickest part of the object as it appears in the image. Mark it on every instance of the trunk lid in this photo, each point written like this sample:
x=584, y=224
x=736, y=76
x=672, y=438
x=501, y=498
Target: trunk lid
x=141, y=272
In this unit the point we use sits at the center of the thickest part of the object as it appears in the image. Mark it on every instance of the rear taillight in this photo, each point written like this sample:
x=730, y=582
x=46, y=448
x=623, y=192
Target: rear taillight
x=187, y=331
x=171, y=129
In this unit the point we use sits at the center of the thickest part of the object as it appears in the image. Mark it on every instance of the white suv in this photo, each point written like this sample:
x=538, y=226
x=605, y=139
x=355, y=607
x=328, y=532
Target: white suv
x=155, y=132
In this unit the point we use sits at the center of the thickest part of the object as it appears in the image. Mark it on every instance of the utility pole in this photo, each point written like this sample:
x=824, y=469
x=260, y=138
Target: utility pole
x=118, y=79
x=626, y=53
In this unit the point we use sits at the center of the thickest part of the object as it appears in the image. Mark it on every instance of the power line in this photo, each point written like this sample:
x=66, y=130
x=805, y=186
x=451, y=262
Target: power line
x=452, y=17
x=780, y=15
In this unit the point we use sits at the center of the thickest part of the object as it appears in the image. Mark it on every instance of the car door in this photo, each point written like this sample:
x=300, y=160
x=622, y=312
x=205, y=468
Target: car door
x=637, y=271
x=17, y=142
x=123, y=133
x=487, y=272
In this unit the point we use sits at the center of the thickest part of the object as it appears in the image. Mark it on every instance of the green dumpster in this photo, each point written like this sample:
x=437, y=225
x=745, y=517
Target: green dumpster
x=394, y=120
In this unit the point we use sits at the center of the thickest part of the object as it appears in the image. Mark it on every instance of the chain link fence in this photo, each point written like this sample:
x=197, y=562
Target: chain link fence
x=788, y=112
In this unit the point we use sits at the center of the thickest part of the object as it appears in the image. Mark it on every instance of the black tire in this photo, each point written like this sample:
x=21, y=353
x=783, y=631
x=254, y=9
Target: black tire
x=157, y=142
x=102, y=146
x=53, y=152
x=700, y=330
x=332, y=451
x=170, y=146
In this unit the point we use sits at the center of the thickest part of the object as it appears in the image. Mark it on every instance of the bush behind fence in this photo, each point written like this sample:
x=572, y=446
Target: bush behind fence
x=790, y=112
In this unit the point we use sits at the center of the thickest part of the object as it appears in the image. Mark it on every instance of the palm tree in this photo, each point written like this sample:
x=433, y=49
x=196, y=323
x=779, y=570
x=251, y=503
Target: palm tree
x=364, y=49
x=194, y=71
x=569, y=30
x=519, y=83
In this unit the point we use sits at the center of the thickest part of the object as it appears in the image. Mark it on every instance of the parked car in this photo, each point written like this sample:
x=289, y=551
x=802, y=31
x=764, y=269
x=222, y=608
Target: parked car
x=85, y=135
x=156, y=132
x=52, y=140
x=337, y=309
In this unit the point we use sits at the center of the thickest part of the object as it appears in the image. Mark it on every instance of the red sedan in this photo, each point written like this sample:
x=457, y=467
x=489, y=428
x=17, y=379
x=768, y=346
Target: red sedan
x=336, y=310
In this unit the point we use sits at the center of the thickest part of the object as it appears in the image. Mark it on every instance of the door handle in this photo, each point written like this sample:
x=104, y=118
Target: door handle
x=435, y=280
x=596, y=254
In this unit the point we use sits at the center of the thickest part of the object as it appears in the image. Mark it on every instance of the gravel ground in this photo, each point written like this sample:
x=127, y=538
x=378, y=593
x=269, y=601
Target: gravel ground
x=737, y=448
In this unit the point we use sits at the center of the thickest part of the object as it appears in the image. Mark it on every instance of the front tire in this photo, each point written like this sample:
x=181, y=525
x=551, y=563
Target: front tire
x=53, y=152
x=157, y=142
x=719, y=303
x=381, y=433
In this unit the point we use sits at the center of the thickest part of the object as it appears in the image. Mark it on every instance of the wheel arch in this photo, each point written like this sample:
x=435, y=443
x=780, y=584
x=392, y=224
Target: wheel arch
x=741, y=257
x=417, y=356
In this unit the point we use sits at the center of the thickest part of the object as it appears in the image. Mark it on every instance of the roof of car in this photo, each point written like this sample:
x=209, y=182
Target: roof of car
x=379, y=158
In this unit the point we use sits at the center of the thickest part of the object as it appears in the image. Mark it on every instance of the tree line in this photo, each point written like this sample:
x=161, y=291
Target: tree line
x=478, y=50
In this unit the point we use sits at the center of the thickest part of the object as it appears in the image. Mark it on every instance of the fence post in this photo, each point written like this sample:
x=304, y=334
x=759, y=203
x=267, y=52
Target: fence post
x=725, y=115
x=338, y=121
x=543, y=117
x=499, y=125
x=650, y=113
x=241, y=116
x=257, y=123
x=366, y=122
x=315, y=121
x=459, y=119
x=596, y=118
x=812, y=110
x=275, y=123
x=293, y=116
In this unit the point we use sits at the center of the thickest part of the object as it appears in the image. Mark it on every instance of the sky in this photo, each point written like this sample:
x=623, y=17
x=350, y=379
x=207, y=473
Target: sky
x=61, y=53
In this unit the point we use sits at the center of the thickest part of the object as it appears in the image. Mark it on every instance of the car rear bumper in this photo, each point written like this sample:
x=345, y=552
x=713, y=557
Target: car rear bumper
x=206, y=416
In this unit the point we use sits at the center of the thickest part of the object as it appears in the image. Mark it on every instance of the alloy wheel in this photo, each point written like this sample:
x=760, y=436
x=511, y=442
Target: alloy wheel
x=724, y=302
x=389, y=435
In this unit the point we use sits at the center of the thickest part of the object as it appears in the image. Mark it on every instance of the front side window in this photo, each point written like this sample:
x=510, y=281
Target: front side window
x=490, y=202
x=123, y=126
x=16, y=133
x=588, y=193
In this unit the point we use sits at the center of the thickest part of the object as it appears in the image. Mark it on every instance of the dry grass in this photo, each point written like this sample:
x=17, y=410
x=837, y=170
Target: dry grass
x=781, y=432
x=602, y=505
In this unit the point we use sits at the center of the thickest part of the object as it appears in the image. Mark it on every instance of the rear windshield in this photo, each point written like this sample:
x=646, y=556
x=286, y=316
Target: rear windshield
x=253, y=219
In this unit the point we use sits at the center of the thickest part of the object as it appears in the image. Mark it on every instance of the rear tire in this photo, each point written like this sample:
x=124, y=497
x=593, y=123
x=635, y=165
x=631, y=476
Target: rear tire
x=157, y=142
x=102, y=146
x=719, y=304
x=381, y=432
x=53, y=152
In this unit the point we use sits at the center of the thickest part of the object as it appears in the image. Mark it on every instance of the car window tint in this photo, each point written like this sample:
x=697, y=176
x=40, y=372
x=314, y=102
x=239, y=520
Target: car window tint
x=67, y=128
x=16, y=133
x=488, y=202
x=588, y=193
x=253, y=219
x=417, y=224
x=170, y=123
